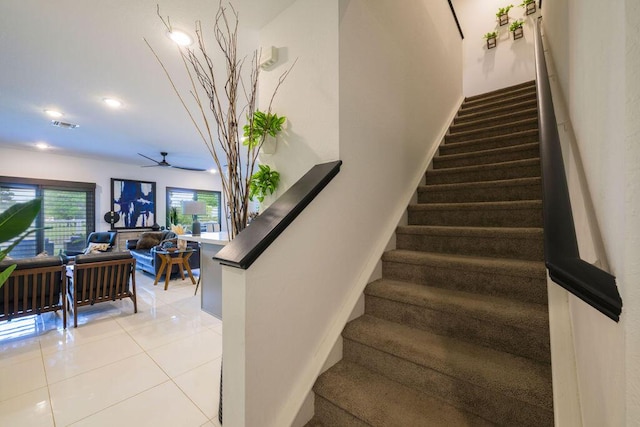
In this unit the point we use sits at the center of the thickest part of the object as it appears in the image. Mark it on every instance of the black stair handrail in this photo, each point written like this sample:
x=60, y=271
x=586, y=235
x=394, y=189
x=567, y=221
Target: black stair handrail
x=247, y=246
x=562, y=258
x=455, y=17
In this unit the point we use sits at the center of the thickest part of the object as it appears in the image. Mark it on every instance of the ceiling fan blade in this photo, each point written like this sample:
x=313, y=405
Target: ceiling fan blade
x=189, y=169
x=147, y=157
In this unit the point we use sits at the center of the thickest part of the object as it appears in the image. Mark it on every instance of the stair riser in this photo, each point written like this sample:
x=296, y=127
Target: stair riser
x=489, y=104
x=509, y=91
x=498, y=336
x=442, y=162
x=526, y=289
x=494, y=111
x=331, y=415
x=525, y=217
x=491, y=405
x=487, y=132
x=496, y=173
x=493, y=120
x=489, y=143
x=472, y=194
x=524, y=248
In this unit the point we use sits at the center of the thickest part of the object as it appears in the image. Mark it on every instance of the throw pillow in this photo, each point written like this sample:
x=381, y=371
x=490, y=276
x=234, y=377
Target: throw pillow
x=148, y=240
x=96, y=247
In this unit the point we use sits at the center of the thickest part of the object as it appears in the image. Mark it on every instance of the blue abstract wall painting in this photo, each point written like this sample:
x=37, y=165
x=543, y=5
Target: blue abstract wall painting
x=135, y=201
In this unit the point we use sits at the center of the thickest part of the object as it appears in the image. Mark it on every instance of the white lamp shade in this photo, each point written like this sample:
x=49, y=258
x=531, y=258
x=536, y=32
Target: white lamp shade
x=192, y=207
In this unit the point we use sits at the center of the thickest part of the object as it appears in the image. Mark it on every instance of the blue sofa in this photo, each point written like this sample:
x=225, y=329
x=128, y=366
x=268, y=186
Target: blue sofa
x=144, y=251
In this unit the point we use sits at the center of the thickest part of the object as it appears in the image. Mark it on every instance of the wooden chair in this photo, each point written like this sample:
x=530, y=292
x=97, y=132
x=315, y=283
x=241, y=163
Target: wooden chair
x=100, y=278
x=34, y=287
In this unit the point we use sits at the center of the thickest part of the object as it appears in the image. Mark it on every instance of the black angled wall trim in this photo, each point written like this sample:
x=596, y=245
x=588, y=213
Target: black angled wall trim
x=589, y=283
x=453, y=11
x=242, y=251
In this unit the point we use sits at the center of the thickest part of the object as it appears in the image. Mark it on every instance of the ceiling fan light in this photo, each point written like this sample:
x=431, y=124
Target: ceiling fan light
x=112, y=102
x=180, y=37
x=53, y=113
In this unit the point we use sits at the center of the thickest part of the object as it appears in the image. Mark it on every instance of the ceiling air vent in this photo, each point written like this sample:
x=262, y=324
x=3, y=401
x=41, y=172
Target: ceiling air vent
x=63, y=125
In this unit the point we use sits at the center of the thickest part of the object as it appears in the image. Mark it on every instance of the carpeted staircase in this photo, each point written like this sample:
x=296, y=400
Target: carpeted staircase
x=456, y=332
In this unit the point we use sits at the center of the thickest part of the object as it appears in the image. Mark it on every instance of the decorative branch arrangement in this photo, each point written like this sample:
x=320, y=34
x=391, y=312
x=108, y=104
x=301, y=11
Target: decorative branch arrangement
x=222, y=102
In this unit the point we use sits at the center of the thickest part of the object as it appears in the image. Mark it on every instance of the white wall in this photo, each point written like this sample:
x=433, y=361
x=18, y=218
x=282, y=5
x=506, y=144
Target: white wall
x=400, y=83
x=47, y=165
x=598, y=72
x=510, y=63
x=306, y=32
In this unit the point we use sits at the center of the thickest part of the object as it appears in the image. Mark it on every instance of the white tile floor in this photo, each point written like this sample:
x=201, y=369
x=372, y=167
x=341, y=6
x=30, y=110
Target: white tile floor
x=159, y=367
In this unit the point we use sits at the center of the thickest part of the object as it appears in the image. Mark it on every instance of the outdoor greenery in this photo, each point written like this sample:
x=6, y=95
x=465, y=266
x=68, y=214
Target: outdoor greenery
x=14, y=223
x=263, y=182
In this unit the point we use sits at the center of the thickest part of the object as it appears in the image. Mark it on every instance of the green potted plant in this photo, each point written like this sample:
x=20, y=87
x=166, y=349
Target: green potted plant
x=516, y=29
x=529, y=5
x=262, y=130
x=263, y=183
x=503, y=14
x=14, y=223
x=491, y=38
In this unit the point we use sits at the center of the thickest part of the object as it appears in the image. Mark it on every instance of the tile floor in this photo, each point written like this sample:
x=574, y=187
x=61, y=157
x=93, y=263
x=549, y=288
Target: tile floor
x=159, y=367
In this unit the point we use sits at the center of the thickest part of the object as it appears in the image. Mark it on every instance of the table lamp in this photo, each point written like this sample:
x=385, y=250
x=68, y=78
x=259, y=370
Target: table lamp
x=194, y=208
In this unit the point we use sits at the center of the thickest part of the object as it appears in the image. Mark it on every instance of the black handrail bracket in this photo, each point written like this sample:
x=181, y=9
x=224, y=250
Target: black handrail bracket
x=242, y=251
x=594, y=286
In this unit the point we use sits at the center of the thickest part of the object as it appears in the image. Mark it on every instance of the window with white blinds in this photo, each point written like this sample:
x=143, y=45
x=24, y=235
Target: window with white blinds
x=175, y=197
x=66, y=218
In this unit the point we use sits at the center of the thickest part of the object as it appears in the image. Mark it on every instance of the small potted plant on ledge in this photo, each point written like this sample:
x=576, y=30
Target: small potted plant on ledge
x=516, y=29
x=529, y=5
x=503, y=15
x=263, y=183
x=491, y=38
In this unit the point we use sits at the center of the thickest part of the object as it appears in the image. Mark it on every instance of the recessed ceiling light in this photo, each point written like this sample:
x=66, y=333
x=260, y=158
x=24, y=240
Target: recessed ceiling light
x=112, y=102
x=43, y=145
x=180, y=37
x=53, y=113
x=213, y=171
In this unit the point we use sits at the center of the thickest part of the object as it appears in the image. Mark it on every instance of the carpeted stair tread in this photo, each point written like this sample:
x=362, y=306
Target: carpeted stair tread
x=514, y=138
x=492, y=131
x=520, y=280
x=495, y=120
x=464, y=315
x=379, y=401
x=492, y=155
x=511, y=169
x=518, y=213
x=531, y=103
x=496, y=371
x=511, y=267
x=482, y=191
x=493, y=98
x=476, y=106
x=531, y=84
x=481, y=307
x=518, y=243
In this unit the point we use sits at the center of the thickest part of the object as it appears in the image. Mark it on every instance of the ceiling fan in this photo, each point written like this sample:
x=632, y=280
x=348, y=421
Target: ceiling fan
x=166, y=164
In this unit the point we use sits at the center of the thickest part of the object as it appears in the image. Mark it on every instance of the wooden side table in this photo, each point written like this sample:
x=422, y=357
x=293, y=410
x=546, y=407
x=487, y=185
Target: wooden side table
x=171, y=258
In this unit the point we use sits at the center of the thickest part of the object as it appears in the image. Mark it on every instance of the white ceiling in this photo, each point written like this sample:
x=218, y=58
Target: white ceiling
x=70, y=54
